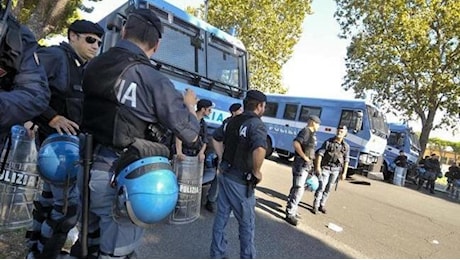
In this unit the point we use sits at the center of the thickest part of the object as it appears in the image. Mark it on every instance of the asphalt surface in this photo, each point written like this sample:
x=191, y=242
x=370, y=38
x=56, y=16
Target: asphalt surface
x=379, y=220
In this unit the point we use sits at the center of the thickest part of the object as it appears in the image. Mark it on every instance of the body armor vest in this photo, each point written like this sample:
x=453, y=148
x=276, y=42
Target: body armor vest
x=70, y=104
x=334, y=154
x=10, y=54
x=236, y=150
x=308, y=147
x=111, y=124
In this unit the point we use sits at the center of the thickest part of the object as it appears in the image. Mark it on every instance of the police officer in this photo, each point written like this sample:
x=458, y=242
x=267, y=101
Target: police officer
x=433, y=170
x=58, y=205
x=304, y=146
x=203, y=109
x=127, y=99
x=24, y=92
x=332, y=159
x=242, y=151
x=235, y=109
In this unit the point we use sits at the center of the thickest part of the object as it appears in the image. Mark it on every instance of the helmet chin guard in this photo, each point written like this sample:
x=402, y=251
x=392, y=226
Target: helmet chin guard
x=147, y=191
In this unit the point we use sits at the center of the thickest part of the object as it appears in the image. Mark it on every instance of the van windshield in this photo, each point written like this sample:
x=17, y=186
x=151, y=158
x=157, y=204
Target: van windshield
x=377, y=122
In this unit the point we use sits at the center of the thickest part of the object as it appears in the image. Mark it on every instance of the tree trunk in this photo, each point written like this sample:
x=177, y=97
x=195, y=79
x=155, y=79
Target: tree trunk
x=426, y=130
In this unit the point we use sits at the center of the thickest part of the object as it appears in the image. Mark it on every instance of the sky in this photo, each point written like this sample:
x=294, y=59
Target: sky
x=317, y=67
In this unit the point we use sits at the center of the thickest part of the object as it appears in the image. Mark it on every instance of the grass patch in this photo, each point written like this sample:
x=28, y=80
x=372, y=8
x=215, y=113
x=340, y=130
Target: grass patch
x=13, y=244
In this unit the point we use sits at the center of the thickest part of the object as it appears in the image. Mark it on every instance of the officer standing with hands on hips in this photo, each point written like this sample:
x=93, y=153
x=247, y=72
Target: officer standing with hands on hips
x=128, y=106
x=24, y=92
x=241, y=151
x=304, y=146
x=57, y=209
x=332, y=158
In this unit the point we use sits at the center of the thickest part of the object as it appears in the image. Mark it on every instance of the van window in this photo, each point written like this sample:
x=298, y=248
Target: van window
x=306, y=112
x=349, y=118
x=270, y=109
x=290, y=112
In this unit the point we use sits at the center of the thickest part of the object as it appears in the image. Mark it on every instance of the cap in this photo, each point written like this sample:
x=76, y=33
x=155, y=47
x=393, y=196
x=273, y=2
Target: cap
x=234, y=107
x=150, y=17
x=315, y=119
x=344, y=127
x=256, y=95
x=84, y=26
x=204, y=103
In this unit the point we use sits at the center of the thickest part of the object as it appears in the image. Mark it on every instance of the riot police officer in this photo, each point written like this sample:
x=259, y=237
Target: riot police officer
x=24, y=92
x=127, y=99
x=241, y=151
x=57, y=207
x=304, y=145
x=203, y=109
x=234, y=109
x=332, y=159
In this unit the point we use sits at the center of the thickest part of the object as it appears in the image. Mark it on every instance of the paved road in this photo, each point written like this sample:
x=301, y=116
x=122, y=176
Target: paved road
x=379, y=220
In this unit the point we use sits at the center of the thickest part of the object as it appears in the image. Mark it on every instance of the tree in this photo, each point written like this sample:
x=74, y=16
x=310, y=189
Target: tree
x=47, y=17
x=269, y=30
x=407, y=53
x=456, y=149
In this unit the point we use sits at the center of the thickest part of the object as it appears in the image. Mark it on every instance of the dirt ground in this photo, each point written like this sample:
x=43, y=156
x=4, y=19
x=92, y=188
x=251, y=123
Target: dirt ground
x=13, y=244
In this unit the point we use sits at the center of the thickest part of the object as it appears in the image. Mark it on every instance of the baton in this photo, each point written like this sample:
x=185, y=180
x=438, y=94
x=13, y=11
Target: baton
x=87, y=158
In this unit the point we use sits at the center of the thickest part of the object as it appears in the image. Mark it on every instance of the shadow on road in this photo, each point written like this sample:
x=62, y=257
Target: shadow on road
x=274, y=208
x=274, y=239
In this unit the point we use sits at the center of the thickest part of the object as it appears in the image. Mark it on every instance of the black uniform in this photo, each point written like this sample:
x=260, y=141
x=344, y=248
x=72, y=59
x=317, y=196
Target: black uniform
x=241, y=136
x=24, y=92
x=126, y=99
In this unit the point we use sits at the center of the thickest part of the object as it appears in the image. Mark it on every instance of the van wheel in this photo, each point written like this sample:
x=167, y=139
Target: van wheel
x=269, y=150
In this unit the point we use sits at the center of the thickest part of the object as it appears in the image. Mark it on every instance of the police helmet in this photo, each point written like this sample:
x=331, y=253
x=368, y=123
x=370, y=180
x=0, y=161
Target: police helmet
x=58, y=159
x=312, y=183
x=147, y=190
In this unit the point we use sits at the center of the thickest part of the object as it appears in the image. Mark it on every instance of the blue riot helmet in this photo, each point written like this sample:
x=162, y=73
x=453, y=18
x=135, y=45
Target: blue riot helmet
x=312, y=183
x=58, y=159
x=147, y=190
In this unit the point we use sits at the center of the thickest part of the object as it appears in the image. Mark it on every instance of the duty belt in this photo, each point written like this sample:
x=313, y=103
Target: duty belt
x=233, y=174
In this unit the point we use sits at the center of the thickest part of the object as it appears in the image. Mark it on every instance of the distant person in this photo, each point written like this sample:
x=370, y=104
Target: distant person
x=332, y=159
x=433, y=170
x=304, y=145
x=455, y=190
x=449, y=175
x=401, y=160
x=235, y=109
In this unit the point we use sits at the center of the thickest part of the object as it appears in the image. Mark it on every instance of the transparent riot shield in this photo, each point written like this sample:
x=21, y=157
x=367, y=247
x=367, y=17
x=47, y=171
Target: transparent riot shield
x=19, y=179
x=189, y=177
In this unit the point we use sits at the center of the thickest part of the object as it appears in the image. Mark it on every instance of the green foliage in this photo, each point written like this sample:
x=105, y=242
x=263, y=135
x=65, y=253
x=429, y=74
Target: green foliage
x=49, y=17
x=269, y=30
x=407, y=53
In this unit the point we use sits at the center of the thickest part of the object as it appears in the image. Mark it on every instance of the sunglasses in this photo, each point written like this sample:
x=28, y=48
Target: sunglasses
x=91, y=40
